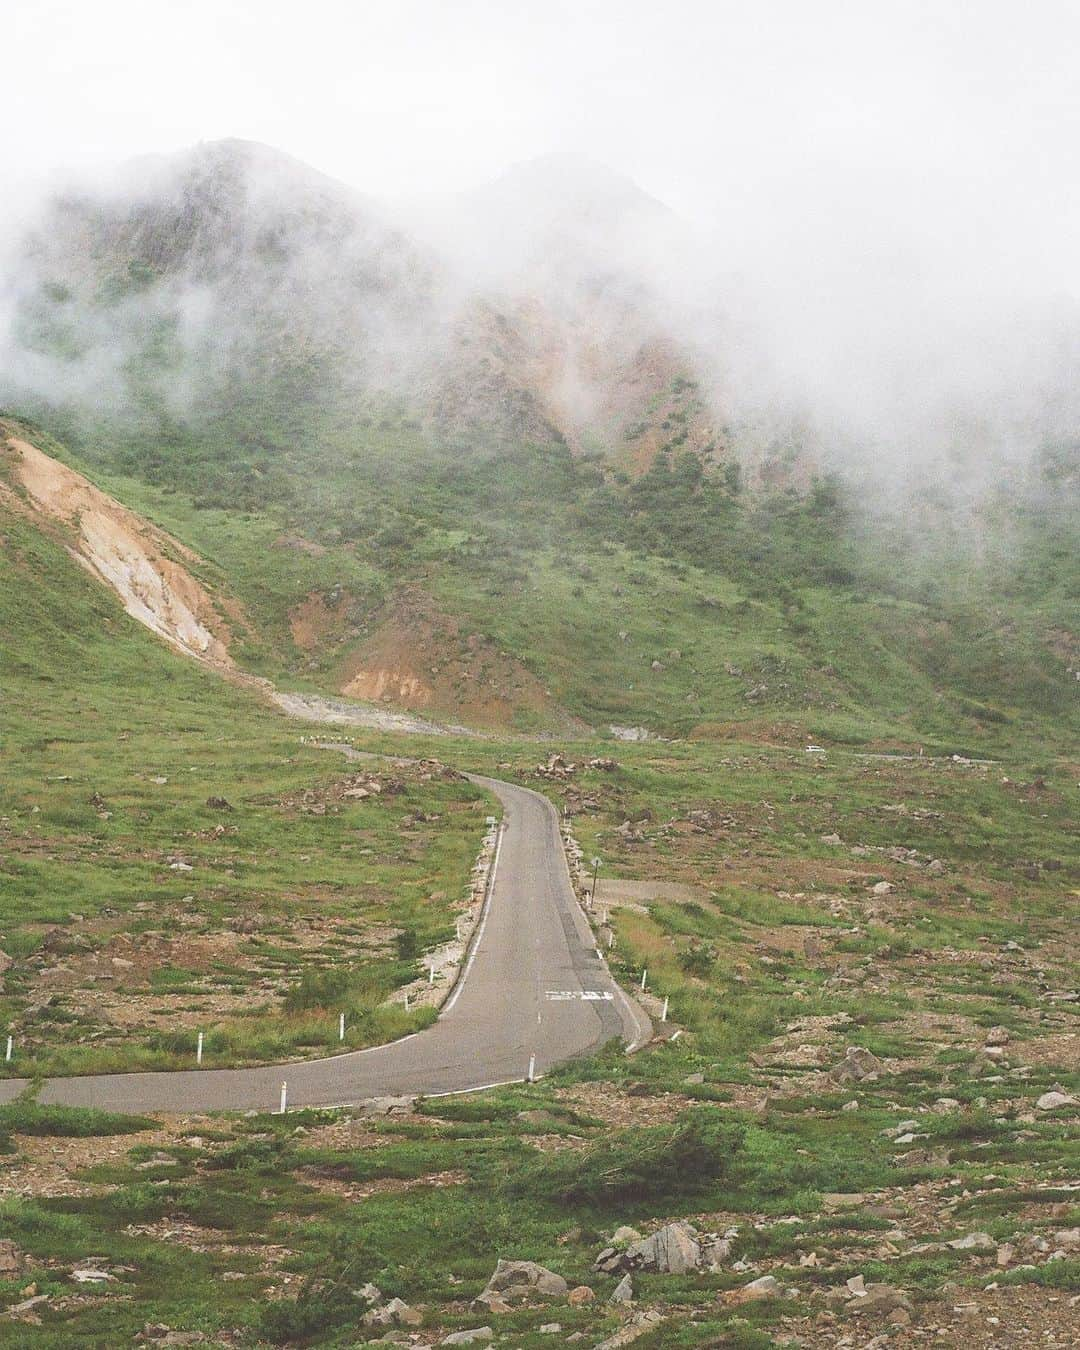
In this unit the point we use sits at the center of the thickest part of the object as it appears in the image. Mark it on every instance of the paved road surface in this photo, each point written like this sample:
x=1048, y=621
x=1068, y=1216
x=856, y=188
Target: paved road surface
x=532, y=941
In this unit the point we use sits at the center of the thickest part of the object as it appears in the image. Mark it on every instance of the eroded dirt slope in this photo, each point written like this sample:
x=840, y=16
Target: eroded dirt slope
x=417, y=657
x=148, y=569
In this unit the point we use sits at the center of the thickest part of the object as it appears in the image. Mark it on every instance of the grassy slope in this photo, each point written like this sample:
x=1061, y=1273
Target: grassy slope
x=919, y=977
x=768, y=611
x=920, y=974
x=94, y=711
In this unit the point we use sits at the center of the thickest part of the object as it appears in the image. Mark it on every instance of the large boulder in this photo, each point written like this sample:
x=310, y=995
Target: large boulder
x=521, y=1280
x=671, y=1250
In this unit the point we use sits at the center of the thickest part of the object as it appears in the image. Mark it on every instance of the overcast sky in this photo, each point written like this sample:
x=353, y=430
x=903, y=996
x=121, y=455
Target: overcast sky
x=712, y=105
x=894, y=184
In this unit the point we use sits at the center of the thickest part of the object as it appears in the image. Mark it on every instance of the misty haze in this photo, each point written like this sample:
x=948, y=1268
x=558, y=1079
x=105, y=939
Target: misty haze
x=539, y=660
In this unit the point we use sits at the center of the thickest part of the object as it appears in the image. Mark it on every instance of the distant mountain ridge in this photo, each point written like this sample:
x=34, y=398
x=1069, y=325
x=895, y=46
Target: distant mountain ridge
x=162, y=293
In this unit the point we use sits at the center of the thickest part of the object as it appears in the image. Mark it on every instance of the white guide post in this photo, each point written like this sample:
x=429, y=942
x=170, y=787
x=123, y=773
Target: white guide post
x=198, y=1049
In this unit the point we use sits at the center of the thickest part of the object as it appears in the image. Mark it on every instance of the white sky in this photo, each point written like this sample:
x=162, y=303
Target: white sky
x=729, y=105
x=894, y=183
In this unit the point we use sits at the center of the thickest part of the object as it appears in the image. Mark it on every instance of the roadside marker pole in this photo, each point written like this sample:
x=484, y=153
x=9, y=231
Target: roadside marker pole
x=644, y=973
x=406, y=1000
x=599, y=954
x=611, y=939
x=663, y=1015
x=341, y=1027
x=284, y=1097
x=532, y=1068
x=431, y=974
x=10, y=1044
x=198, y=1049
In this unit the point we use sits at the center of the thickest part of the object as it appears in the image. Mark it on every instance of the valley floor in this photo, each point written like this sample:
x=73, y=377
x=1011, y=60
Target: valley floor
x=871, y=1104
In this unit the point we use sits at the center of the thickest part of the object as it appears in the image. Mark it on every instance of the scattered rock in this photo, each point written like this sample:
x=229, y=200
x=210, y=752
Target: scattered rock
x=623, y=1291
x=834, y=1200
x=882, y=888
x=388, y=1106
x=471, y=1337
x=671, y=1250
x=878, y=1299
x=639, y=1325
x=1054, y=1101
x=521, y=1280
x=581, y=1295
x=10, y=1259
x=25, y=1309
x=978, y=1242
x=395, y=1313
x=857, y=1065
x=765, y=1286
x=218, y=804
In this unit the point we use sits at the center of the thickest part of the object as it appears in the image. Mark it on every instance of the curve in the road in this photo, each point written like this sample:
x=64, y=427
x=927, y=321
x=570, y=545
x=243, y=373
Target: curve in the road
x=518, y=1002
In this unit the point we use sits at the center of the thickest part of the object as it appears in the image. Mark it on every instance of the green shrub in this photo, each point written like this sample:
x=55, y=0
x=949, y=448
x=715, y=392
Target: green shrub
x=318, y=989
x=659, y=1162
x=73, y=1122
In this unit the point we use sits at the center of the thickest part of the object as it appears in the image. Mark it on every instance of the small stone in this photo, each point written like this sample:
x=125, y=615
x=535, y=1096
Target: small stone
x=395, y=1313
x=843, y=1200
x=852, y=1105
x=581, y=1295
x=981, y=1242
x=766, y=1286
x=623, y=1291
x=1054, y=1101
x=471, y=1337
x=551, y=1329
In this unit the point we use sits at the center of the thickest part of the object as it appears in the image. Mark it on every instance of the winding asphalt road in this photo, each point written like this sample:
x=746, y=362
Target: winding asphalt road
x=517, y=1001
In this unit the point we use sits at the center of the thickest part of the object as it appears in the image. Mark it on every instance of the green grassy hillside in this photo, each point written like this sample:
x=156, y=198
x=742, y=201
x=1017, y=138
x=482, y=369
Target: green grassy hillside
x=174, y=858
x=676, y=600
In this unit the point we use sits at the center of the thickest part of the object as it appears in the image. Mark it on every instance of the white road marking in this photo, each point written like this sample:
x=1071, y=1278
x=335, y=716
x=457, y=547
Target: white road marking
x=557, y=995
x=449, y=1004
